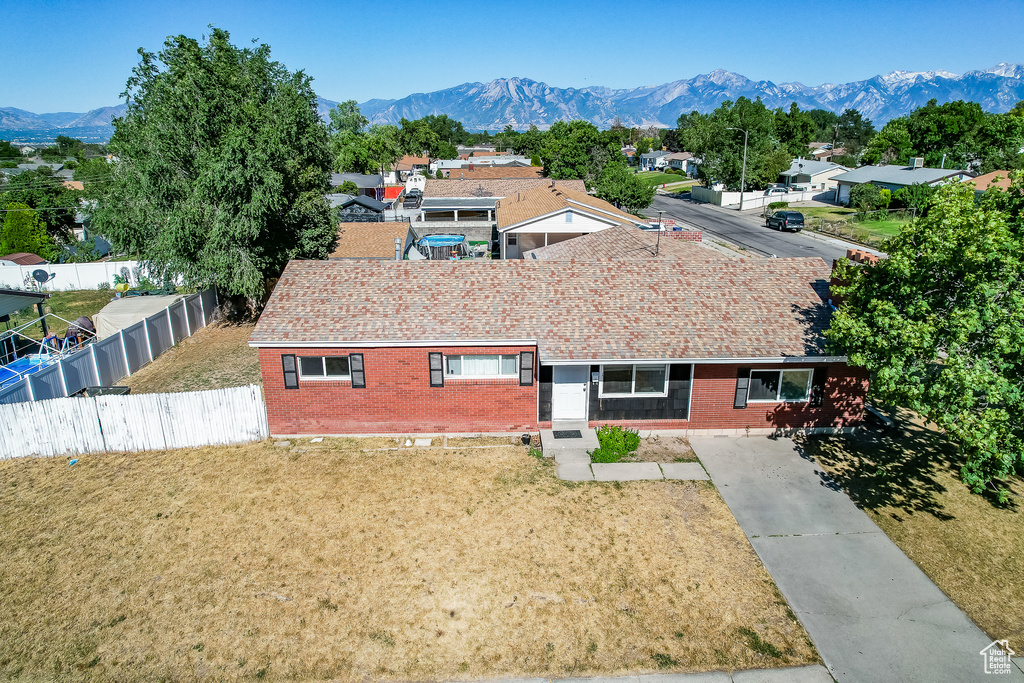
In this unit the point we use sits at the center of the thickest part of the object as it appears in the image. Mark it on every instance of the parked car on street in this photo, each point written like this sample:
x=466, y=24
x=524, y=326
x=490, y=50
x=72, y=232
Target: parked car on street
x=785, y=220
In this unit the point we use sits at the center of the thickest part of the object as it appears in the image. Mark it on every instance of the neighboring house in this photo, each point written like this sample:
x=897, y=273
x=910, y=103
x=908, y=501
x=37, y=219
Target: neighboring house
x=997, y=179
x=823, y=151
x=811, y=175
x=496, y=188
x=682, y=161
x=473, y=172
x=22, y=258
x=371, y=240
x=551, y=214
x=653, y=161
x=406, y=167
x=369, y=185
x=626, y=242
x=31, y=167
x=894, y=177
x=729, y=346
x=360, y=209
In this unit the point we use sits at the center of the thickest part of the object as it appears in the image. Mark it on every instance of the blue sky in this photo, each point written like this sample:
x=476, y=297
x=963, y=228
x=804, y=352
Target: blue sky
x=73, y=55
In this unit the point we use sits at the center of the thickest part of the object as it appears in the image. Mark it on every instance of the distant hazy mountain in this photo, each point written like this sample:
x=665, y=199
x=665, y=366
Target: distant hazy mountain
x=520, y=102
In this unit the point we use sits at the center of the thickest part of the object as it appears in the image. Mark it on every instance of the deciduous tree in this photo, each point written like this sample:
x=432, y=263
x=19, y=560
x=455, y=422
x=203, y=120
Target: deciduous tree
x=23, y=231
x=624, y=188
x=938, y=325
x=224, y=163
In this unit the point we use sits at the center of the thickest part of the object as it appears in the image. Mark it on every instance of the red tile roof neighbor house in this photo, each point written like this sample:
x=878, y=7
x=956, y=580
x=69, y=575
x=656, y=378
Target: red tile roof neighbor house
x=494, y=346
x=24, y=259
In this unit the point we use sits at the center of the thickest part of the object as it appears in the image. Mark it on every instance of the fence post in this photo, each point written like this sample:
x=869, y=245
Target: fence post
x=202, y=309
x=95, y=363
x=149, y=345
x=124, y=352
x=184, y=308
x=63, y=380
x=28, y=383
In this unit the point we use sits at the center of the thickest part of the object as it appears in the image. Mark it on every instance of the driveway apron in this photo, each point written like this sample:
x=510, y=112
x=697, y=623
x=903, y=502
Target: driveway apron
x=873, y=615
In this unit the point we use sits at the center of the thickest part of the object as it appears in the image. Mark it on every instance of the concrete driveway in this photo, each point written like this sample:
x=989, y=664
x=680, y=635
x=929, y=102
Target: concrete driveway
x=873, y=615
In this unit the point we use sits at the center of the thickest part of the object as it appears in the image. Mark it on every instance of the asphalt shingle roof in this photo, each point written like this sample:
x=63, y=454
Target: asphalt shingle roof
x=547, y=199
x=740, y=308
x=895, y=175
x=624, y=242
x=369, y=240
x=485, y=187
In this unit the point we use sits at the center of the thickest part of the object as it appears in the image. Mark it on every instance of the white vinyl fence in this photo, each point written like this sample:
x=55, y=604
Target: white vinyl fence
x=67, y=276
x=141, y=422
x=105, y=362
x=755, y=200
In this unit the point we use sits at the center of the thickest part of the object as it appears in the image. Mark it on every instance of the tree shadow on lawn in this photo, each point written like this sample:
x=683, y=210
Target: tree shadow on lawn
x=892, y=468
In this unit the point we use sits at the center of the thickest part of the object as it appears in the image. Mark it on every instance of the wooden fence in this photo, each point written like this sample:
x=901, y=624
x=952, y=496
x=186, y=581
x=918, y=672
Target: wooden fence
x=140, y=422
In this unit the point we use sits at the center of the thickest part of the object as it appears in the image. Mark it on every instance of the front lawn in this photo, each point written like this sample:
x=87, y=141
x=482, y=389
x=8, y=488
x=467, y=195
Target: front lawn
x=658, y=178
x=907, y=482
x=359, y=559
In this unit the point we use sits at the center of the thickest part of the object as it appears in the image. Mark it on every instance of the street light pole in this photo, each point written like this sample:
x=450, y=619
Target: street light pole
x=743, y=170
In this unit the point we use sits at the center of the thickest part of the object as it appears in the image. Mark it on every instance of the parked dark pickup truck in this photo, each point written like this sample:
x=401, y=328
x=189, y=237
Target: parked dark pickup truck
x=785, y=220
x=412, y=199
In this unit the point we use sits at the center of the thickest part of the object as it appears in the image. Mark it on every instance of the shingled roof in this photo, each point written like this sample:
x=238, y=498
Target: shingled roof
x=624, y=242
x=547, y=199
x=369, y=240
x=605, y=310
x=486, y=187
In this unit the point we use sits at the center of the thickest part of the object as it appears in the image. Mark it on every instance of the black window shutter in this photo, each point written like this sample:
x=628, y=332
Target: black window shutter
x=526, y=369
x=436, y=369
x=291, y=373
x=355, y=368
x=742, y=383
x=818, y=380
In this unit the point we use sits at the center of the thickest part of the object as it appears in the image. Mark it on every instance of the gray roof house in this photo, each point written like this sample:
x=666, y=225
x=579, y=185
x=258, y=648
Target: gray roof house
x=816, y=175
x=654, y=159
x=371, y=185
x=895, y=177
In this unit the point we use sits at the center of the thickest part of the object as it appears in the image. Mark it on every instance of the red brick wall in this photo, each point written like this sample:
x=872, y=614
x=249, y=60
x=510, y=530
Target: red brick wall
x=398, y=397
x=686, y=235
x=713, y=392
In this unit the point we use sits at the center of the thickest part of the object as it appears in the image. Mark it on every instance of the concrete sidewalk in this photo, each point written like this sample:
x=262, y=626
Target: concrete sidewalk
x=572, y=460
x=799, y=674
x=873, y=615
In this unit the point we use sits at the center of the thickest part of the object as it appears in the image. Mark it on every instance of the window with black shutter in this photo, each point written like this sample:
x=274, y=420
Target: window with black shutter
x=526, y=369
x=291, y=372
x=436, y=369
x=355, y=364
x=742, y=382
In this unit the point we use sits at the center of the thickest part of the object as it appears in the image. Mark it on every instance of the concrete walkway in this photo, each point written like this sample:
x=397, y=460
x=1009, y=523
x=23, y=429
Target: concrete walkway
x=873, y=615
x=572, y=460
x=799, y=674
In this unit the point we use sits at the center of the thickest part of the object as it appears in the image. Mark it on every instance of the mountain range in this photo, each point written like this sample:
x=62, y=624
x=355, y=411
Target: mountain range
x=521, y=102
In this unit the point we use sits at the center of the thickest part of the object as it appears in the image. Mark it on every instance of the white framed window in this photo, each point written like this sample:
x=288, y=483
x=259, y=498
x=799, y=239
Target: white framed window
x=568, y=216
x=633, y=380
x=324, y=367
x=482, y=366
x=773, y=386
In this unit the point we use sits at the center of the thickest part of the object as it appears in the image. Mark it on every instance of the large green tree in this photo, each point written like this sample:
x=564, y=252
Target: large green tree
x=795, y=129
x=575, y=150
x=938, y=325
x=224, y=163
x=55, y=203
x=853, y=132
x=23, y=231
x=707, y=136
x=624, y=188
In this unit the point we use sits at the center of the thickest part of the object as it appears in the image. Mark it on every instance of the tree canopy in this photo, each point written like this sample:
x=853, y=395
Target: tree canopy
x=23, y=231
x=938, y=325
x=624, y=188
x=224, y=164
x=721, y=150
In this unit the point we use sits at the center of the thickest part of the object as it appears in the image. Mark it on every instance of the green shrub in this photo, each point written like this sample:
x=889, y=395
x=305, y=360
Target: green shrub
x=103, y=286
x=775, y=206
x=616, y=443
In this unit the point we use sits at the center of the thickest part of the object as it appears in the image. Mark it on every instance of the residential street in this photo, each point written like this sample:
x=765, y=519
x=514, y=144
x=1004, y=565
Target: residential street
x=746, y=230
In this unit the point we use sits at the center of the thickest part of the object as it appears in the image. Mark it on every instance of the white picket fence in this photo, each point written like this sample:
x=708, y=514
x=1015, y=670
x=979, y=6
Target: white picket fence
x=140, y=422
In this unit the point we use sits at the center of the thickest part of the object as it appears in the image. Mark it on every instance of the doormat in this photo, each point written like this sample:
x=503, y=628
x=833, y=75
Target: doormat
x=568, y=434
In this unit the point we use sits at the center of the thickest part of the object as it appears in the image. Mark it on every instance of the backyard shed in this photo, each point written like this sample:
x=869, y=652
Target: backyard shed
x=121, y=313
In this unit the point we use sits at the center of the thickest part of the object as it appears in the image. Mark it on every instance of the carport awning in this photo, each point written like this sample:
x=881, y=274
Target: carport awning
x=12, y=300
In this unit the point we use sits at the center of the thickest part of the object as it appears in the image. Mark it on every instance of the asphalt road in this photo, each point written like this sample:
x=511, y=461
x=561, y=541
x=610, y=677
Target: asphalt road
x=746, y=230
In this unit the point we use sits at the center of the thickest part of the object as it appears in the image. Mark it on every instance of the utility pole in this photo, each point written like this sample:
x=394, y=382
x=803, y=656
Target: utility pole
x=743, y=171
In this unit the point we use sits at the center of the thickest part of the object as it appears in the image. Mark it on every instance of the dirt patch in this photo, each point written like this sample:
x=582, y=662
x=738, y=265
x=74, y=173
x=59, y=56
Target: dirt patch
x=215, y=357
x=663, y=449
x=907, y=480
x=326, y=560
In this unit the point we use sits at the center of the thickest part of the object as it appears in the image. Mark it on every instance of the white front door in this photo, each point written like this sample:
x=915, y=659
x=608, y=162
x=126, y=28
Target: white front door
x=569, y=392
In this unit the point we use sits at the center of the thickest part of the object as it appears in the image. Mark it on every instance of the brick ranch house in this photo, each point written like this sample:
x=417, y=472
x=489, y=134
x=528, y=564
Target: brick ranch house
x=397, y=347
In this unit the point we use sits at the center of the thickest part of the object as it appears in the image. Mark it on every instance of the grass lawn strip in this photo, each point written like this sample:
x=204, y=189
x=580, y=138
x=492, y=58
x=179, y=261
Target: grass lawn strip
x=334, y=560
x=213, y=358
x=68, y=305
x=972, y=548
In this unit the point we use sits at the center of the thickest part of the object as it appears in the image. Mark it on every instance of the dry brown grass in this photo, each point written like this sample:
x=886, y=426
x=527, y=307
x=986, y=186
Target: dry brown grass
x=971, y=547
x=663, y=449
x=215, y=357
x=331, y=561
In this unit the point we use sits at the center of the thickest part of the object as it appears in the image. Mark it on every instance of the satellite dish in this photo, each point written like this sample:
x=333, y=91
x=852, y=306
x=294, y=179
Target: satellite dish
x=40, y=276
